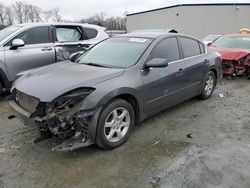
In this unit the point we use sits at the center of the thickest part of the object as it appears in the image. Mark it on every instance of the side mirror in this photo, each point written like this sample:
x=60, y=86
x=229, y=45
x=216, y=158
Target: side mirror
x=16, y=43
x=74, y=56
x=157, y=63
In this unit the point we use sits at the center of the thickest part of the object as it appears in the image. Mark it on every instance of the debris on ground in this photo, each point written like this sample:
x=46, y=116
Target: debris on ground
x=221, y=95
x=11, y=117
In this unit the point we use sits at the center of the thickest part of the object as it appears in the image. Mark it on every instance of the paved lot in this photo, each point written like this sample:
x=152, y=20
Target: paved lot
x=158, y=154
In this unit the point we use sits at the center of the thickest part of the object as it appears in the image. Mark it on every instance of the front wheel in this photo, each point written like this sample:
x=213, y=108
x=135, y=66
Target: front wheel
x=1, y=89
x=115, y=124
x=209, y=86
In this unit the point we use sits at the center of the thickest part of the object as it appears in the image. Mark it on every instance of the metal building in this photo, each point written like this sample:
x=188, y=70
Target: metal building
x=195, y=19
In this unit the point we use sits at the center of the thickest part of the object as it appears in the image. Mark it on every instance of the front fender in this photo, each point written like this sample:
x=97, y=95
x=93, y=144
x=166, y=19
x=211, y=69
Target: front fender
x=99, y=99
x=96, y=105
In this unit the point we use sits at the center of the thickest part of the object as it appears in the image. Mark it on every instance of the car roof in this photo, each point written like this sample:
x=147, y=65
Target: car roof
x=153, y=35
x=58, y=23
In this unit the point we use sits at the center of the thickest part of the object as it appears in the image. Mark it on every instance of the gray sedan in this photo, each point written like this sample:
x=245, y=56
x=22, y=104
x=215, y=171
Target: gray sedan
x=100, y=95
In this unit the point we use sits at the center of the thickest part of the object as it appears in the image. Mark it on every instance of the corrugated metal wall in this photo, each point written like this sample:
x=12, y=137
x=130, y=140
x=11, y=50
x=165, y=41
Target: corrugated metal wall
x=195, y=20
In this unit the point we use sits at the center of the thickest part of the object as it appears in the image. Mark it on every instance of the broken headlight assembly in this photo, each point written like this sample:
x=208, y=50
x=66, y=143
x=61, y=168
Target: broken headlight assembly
x=69, y=100
x=61, y=118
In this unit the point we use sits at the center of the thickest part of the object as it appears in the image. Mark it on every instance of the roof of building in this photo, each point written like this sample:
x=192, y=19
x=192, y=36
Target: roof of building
x=188, y=5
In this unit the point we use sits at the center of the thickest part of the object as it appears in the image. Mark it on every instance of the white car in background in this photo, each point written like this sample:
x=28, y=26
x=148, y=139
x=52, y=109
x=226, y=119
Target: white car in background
x=28, y=46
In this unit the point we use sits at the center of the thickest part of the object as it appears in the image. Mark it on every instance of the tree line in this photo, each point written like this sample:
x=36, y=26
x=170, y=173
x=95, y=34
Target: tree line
x=23, y=12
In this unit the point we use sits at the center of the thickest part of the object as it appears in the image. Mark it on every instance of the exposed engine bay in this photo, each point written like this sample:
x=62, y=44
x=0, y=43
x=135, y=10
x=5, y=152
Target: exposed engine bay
x=233, y=68
x=61, y=118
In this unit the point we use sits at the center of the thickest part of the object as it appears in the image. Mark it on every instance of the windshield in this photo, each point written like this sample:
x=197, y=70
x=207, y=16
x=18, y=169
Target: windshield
x=8, y=31
x=211, y=37
x=116, y=52
x=232, y=42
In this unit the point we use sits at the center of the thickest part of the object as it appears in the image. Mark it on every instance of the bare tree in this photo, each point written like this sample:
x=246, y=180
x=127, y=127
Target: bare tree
x=18, y=8
x=34, y=13
x=56, y=14
x=9, y=15
x=2, y=12
x=47, y=15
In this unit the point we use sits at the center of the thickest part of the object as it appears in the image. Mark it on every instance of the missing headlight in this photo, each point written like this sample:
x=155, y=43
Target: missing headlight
x=67, y=101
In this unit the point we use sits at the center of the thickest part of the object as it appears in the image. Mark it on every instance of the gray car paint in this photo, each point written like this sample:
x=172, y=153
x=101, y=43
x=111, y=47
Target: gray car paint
x=154, y=89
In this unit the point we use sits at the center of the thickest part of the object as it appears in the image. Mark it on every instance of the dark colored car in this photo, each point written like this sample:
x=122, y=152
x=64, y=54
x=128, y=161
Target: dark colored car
x=235, y=53
x=118, y=83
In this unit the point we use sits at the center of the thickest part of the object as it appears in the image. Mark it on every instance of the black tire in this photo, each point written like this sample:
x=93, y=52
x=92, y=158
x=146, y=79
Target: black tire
x=204, y=94
x=101, y=139
x=1, y=89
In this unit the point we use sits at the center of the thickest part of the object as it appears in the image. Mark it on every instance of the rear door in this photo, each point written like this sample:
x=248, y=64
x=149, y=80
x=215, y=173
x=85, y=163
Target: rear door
x=163, y=86
x=69, y=39
x=195, y=62
x=38, y=51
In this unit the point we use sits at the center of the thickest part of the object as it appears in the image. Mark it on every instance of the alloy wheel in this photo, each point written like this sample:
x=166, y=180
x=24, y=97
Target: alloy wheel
x=117, y=124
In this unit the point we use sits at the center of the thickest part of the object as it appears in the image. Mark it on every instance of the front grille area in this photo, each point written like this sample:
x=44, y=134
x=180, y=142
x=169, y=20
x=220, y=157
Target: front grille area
x=27, y=102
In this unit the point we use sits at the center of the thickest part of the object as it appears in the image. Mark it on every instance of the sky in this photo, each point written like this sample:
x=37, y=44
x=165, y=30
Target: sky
x=77, y=9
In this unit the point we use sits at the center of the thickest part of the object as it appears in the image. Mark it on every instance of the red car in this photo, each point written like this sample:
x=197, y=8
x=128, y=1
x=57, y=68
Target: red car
x=235, y=53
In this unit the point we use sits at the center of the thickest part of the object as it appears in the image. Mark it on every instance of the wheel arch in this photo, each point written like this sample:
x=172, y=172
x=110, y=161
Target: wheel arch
x=215, y=73
x=126, y=94
x=4, y=80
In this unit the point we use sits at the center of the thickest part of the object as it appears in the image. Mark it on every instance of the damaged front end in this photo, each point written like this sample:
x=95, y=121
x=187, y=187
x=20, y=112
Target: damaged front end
x=61, y=118
x=239, y=67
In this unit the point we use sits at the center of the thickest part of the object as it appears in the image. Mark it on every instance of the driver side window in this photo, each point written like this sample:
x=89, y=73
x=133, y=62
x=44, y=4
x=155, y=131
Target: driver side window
x=167, y=49
x=38, y=35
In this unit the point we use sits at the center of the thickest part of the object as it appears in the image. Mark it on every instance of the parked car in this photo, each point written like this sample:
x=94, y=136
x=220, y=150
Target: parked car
x=2, y=26
x=27, y=46
x=235, y=53
x=103, y=93
x=210, y=38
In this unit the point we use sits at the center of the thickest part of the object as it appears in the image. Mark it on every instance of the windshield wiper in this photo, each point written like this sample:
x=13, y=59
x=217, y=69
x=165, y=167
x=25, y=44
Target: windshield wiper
x=96, y=65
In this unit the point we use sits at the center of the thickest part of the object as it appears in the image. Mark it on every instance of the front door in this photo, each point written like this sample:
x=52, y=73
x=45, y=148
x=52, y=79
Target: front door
x=163, y=86
x=38, y=51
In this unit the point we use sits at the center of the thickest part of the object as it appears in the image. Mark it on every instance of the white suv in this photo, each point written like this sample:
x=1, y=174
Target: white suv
x=27, y=46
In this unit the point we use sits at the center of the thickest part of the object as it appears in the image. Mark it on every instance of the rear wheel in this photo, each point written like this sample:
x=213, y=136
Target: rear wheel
x=209, y=86
x=115, y=124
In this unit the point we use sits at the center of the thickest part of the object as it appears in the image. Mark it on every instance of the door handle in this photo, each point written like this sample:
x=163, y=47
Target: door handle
x=47, y=49
x=180, y=72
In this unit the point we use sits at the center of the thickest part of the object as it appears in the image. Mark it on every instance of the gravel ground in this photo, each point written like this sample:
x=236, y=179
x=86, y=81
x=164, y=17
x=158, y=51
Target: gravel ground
x=196, y=144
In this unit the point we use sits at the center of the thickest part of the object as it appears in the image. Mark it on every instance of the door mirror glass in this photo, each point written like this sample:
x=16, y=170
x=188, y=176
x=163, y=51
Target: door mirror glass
x=157, y=63
x=16, y=43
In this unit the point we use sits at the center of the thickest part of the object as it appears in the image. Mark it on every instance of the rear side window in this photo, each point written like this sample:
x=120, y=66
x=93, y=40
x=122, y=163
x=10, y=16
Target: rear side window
x=68, y=34
x=202, y=48
x=190, y=47
x=36, y=35
x=90, y=33
x=167, y=49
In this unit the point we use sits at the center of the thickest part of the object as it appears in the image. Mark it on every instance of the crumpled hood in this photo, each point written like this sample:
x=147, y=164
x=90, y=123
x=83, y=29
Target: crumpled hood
x=49, y=82
x=231, y=53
